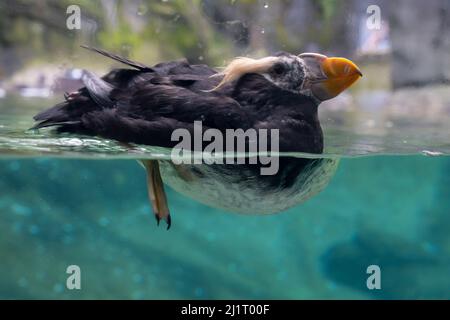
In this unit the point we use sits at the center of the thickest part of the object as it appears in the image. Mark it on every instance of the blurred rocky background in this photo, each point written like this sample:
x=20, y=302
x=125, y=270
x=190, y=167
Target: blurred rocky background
x=403, y=46
x=412, y=37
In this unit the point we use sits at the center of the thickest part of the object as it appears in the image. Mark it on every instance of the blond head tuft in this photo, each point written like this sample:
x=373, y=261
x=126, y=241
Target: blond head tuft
x=243, y=65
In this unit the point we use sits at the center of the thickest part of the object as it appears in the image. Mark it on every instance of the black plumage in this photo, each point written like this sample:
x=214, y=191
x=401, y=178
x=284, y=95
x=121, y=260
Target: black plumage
x=146, y=104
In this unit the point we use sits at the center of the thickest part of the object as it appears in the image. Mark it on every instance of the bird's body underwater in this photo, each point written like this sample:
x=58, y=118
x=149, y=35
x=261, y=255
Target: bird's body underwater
x=145, y=105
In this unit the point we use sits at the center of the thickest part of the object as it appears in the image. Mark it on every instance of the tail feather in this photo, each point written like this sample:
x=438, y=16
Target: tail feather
x=56, y=116
x=51, y=123
x=54, y=112
x=67, y=113
x=52, y=116
x=95, y=95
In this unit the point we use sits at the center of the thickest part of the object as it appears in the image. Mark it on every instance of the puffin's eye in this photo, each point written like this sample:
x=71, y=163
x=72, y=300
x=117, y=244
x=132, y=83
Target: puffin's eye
x=278, y=68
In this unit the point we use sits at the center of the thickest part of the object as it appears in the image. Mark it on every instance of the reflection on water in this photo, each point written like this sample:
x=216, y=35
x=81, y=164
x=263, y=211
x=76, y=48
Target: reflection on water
x=350, y=130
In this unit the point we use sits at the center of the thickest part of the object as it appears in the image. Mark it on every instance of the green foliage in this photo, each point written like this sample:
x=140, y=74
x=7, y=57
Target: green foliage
x=120, y=39
x=170, y=29
x=328, y=8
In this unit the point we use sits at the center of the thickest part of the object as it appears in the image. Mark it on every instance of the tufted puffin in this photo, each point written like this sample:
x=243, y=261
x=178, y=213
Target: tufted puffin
x=144, y=104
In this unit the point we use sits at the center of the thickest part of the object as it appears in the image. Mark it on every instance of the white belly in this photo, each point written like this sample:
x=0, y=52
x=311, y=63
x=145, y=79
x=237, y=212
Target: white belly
x=211, y=188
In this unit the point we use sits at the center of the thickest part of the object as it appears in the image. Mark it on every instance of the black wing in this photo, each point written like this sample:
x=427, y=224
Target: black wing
x=145, y=105
x=152, y=113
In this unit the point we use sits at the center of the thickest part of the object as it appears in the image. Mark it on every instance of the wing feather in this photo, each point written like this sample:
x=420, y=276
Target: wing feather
x=116, y=57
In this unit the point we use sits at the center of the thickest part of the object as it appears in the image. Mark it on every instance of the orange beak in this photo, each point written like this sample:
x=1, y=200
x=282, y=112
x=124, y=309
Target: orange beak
x=329, y=76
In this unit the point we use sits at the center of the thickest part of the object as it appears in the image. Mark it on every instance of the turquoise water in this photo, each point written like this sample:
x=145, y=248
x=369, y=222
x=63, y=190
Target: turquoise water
x=60, y=205
x=390, y=211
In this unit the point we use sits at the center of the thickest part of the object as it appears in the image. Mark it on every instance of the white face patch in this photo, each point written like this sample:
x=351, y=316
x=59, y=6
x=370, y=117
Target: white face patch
x=314, y=74
x=288, y=73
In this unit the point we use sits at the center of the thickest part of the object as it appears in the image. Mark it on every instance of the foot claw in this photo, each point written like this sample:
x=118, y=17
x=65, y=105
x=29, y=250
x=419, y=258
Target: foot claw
x=169, y=222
